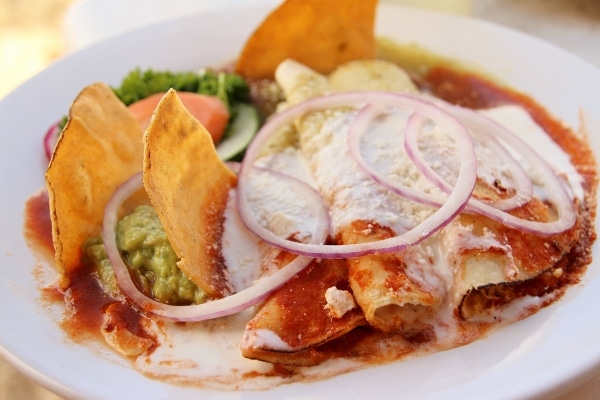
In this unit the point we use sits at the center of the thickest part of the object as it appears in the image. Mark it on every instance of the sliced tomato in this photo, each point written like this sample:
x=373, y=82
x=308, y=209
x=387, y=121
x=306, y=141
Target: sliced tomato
x=209, y=110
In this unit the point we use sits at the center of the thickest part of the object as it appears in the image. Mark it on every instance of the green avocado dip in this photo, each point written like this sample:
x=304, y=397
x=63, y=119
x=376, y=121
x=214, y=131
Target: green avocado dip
x=146, y=251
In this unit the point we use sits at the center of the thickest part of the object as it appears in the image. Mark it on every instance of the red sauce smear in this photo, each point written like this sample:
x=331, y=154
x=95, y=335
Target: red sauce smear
x=84, y=297
x=38, y=227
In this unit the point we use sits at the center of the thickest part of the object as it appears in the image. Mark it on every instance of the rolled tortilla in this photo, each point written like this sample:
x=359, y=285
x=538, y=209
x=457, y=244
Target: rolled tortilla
x=391, y=297
x=314, y=308
x=494, y=266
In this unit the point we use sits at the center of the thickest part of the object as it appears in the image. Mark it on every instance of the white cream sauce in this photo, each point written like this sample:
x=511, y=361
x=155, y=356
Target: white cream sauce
x=240, y=248
x=517, y=120
x=207, y=354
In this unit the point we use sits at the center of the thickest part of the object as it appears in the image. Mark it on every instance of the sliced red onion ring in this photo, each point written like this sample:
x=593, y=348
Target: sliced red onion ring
x=454, y=204
x=557, y=194
x=50, y=139
x=209, y=310
x=524, y=186
x=299, y=189
x=479, y=127
x=359, y=128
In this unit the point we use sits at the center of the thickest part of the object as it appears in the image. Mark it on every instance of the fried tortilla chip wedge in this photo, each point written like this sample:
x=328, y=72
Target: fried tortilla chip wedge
x=188, y=185
x=320, y=34
x=99, y=149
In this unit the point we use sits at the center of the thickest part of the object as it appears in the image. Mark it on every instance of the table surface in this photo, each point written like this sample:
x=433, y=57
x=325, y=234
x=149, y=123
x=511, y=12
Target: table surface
x=33, y=36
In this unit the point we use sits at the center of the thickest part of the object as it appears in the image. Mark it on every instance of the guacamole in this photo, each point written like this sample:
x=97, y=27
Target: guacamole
x=150, y=258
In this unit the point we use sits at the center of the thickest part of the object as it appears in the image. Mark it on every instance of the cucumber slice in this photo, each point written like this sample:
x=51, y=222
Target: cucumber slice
x=241, y=131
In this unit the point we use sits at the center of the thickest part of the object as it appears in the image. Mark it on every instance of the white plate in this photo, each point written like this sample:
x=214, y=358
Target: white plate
x=538, y=356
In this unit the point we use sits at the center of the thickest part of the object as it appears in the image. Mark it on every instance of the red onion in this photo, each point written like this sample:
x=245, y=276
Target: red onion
x=211, y=309
x=490, y=134
x=359, y=128
x=300, y=189
x=556, y=192
x=479, y=127
x=50, y=139
x=524, y=186
x=453, y=205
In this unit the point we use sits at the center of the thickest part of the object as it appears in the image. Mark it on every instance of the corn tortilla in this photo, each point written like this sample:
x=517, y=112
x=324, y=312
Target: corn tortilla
x=98, y=150
x=188, y=186
x=303, y=30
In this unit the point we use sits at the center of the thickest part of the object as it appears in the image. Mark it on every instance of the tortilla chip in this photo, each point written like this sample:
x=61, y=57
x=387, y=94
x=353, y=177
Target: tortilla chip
x=98, y=150
x=188, y=185
x=320, y=34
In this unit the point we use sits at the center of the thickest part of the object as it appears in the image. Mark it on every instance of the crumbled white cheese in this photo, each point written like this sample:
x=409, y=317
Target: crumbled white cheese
x=339, y=302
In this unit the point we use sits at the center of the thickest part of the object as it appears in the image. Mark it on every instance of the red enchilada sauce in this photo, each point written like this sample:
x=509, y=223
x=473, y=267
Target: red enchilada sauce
x=84, y=297
x=86, y=301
